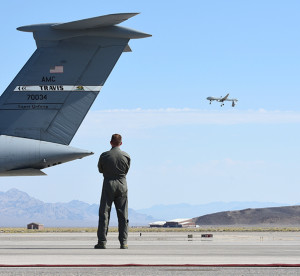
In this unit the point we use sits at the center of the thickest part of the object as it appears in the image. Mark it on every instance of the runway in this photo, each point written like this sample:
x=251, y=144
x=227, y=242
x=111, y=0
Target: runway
x=163, y=251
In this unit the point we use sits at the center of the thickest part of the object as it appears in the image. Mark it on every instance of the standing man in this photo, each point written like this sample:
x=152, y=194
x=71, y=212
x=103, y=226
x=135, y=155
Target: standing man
x=114, y=166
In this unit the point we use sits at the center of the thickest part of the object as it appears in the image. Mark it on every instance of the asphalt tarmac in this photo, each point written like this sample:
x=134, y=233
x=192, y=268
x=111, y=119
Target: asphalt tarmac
x=153, y=253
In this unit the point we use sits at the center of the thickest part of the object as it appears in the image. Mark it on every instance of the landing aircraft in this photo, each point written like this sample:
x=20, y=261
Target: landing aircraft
x=222, y=100
x=43, y=107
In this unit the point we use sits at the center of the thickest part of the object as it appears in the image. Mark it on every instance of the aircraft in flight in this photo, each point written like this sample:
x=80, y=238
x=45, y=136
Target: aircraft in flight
x=43, y=107
x=222, y=100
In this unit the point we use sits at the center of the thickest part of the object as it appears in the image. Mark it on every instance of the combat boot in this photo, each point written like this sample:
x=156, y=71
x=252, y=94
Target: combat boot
x=100, y=246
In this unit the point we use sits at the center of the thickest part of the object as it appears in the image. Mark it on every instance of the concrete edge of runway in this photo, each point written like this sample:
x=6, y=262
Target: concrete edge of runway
x=153, y=265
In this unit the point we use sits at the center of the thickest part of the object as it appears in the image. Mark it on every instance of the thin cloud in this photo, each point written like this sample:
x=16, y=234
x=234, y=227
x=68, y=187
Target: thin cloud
x=134, y=120
x=147, y=118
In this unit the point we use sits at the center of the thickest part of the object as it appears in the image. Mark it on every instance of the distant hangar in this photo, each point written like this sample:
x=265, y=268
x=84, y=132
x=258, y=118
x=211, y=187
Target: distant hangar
x=174, y=223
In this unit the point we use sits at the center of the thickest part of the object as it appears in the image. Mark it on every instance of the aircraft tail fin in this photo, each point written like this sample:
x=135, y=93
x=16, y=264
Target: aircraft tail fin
x=55, y=89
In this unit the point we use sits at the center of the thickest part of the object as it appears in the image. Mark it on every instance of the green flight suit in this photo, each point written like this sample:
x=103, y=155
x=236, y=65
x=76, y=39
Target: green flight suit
x=114, y=166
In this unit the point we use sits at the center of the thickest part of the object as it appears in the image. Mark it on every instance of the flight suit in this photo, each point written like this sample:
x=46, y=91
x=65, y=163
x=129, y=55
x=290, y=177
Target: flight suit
x=114, y=166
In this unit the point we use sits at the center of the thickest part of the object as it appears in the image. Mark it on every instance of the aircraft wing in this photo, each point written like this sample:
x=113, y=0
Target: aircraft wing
x=232, y=100
x=225, y=98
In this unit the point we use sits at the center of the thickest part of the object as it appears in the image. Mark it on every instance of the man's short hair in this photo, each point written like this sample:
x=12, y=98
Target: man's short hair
x=116, y=139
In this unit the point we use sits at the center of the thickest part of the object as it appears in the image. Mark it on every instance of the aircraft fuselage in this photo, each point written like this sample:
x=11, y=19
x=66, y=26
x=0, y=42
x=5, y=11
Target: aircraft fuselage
x=22, y=156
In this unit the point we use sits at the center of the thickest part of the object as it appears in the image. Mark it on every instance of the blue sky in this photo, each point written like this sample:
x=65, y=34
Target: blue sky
x=182, y=148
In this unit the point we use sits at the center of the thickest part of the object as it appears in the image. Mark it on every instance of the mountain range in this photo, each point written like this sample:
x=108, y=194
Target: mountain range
x=17, y=209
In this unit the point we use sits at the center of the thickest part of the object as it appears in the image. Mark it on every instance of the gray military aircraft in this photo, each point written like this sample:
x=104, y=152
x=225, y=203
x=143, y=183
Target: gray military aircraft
x=43, y=107
x=222, y=100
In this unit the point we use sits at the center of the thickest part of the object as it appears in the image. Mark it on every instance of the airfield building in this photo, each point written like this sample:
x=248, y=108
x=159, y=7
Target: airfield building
x=175, y=223
x=35, y=226
x=157, y=224
x=178, y=223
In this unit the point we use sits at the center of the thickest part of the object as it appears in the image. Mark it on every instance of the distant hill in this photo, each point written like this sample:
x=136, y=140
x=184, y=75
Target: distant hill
x=168, y=212
x=275, y=216
x=17, y=209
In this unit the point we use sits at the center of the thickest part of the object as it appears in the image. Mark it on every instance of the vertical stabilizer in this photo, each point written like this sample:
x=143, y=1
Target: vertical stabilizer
x=55, y=89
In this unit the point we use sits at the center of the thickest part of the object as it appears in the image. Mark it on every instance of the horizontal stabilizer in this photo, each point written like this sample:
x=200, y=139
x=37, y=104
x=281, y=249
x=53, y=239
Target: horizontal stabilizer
x=104, y=26
x=23, y=172
x=94, y=22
